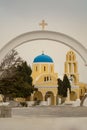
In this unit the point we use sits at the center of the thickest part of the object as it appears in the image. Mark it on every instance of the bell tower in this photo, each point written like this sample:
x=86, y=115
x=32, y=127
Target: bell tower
x=71, y=67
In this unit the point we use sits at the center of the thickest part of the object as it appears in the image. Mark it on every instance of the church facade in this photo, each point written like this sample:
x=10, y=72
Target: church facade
x=45, y=79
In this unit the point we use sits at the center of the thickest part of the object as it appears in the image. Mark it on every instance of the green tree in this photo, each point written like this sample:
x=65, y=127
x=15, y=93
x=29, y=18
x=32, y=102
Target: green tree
x=7, y=88
x=24, y=80
x=16, y=80
x=63, y=86
x=25, y=72
x=9, y=63
x=66, y=83
x=20, y=84
x=60, y=87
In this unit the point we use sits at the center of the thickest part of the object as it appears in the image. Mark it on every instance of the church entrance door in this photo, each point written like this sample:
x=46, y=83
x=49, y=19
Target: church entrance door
x=49, y=97
x=38, y=96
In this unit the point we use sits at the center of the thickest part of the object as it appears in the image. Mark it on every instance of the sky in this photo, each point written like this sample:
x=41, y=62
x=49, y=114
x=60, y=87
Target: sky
x=65, y=16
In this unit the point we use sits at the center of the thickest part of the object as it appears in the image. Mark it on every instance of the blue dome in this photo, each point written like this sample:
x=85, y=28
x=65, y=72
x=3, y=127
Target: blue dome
x=43, y=58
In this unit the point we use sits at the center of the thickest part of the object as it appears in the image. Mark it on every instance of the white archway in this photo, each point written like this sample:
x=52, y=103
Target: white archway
x=45, y=35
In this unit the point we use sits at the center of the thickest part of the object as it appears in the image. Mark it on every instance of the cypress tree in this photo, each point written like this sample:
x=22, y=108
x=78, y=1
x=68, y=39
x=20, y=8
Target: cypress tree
x=66, y=82
x=63, y=86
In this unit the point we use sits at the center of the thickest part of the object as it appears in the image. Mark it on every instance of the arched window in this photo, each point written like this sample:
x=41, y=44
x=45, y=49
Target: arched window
x=69, y=57
x=47, y=78
x=44, y=68
x=36, y=68
x=44, y=78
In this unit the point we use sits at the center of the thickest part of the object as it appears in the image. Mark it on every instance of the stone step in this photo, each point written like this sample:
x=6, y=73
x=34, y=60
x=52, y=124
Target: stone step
x=57, y=111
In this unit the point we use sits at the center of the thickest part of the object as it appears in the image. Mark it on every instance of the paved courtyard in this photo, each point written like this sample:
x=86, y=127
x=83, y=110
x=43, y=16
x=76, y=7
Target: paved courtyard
x=46, y=118
x=50, y=111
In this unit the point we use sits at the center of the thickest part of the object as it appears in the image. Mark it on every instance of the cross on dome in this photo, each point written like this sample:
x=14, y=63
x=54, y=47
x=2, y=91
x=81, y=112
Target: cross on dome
x=42, y=52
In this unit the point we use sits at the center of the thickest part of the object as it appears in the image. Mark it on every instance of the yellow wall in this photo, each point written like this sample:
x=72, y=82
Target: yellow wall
x=40, y=70
x=71, y=68
x=45, y=79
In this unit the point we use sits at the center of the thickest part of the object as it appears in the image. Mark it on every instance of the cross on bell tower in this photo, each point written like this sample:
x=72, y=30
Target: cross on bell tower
x=43, y=24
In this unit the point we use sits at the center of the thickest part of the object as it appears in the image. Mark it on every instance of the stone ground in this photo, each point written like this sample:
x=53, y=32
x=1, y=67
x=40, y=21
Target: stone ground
x=53, y=111
x=46, y=118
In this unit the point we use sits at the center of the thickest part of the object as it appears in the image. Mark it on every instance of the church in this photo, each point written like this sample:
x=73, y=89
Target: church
x=45, y=79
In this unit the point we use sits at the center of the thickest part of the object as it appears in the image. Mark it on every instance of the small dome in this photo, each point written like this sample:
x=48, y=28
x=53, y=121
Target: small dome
x=43, y=58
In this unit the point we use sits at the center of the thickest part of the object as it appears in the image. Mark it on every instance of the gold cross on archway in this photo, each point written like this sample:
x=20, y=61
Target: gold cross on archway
x=43, y=24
